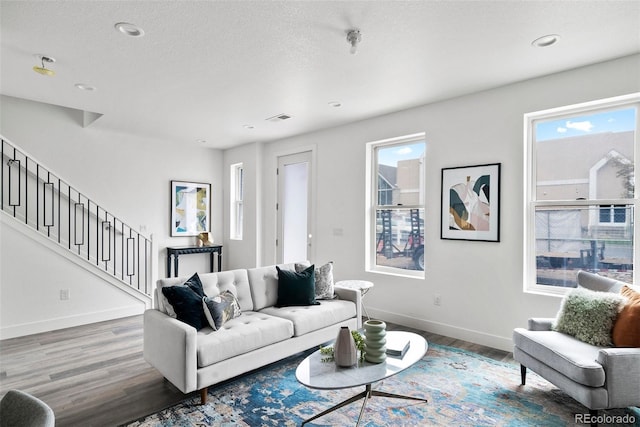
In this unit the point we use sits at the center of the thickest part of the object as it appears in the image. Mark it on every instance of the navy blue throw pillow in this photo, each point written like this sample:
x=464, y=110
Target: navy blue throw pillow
x=195, y=284
x=186, y=301
x=296, y=288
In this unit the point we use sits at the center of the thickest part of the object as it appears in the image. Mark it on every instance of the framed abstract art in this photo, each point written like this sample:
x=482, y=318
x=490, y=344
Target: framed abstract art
x=471, y=203
x=190, y=208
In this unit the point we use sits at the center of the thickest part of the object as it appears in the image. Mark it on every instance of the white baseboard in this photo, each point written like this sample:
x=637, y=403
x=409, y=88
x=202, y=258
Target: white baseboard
x=69, y=321
x=476, y=337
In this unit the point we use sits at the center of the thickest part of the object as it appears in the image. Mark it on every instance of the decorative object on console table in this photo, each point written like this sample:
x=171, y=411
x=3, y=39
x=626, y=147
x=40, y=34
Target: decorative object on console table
x=190, y=208
x=471, y=203
x=344, y=349
x=375, y=350
x=204, y=239
x=186, y=250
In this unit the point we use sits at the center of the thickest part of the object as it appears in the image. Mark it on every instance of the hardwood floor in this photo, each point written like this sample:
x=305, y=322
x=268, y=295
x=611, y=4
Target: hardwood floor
x=95, y=375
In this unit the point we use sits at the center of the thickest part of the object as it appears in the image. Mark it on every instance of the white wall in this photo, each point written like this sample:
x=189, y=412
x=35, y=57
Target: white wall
x=33, y=274
x=244, y=253
x=480, y=283
x=126, y=174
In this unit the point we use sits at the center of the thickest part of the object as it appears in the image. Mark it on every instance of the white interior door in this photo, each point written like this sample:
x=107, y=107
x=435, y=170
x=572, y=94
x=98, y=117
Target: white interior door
x=294, y=240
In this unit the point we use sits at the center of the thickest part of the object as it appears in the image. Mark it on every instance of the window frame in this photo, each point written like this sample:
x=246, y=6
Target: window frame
x=236, y=214
x=371, y=204
x=612, y=216
x=531, y=204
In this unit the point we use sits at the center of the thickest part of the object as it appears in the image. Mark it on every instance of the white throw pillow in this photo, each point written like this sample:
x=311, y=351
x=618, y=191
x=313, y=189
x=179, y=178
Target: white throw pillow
x=324, y=279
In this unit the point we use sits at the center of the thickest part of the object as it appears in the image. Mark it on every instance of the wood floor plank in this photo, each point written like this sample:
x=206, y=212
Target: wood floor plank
x=95, y=375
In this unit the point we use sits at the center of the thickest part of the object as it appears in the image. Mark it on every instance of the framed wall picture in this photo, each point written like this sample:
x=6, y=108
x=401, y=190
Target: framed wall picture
x=471, y=203
x=190, y=208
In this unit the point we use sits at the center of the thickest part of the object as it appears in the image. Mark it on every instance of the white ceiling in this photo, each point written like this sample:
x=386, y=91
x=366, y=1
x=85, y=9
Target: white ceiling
x=204, y=69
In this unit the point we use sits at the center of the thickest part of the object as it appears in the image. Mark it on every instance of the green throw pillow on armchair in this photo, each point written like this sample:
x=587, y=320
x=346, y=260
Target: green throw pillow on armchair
x=589, y=316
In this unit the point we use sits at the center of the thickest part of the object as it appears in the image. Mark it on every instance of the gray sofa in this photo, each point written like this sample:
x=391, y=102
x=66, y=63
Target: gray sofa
x=194, y=360
x=597, y=377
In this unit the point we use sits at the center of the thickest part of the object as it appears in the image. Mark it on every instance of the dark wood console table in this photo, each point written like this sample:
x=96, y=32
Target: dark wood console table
x=186, y=250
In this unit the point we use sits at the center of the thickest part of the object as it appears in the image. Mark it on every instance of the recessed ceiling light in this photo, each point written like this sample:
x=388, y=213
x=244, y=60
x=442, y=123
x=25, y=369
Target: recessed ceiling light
x=129, y=29
x=546, y=41
x=248, y=126
x=85, y=87
x=335, y=104
x=201, y=141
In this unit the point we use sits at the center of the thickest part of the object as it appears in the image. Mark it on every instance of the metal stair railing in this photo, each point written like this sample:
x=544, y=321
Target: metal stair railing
x=43, y=201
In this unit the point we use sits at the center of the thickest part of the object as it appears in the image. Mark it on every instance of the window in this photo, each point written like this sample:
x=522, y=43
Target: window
x=395, y=219
x=237, y=189
x=613, y=214
x=581, y=201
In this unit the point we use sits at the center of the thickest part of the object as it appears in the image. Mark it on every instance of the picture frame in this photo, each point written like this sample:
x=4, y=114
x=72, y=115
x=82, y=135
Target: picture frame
x=190, y=208
x=471, y=203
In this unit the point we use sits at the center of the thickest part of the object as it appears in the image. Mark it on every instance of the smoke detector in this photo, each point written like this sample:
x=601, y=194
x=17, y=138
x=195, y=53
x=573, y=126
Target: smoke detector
x=278, y=118
x=42, y=69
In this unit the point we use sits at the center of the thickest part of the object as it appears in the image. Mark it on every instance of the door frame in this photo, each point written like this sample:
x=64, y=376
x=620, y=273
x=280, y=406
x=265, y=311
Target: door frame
x=311, y=202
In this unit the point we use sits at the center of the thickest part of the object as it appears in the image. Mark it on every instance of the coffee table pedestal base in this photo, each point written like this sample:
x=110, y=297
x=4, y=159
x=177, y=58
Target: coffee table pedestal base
x=366, y=395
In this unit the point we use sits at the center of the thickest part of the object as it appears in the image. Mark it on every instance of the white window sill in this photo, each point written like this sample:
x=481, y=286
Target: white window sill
x=410, y=274
x=549, y=291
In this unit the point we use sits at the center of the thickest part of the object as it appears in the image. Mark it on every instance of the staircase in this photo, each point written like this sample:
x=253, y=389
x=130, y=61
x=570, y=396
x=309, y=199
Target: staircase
x=42, y=201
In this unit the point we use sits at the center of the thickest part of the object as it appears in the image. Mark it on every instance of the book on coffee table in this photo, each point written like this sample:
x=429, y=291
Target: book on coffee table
x=397, y=346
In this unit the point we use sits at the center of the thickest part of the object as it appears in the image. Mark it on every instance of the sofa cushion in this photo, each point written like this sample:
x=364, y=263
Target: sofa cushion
x=296, y=288
x=626, y=330
x=187, y=303
x=310, y=318
x=324, y=279
x=589, y=315
x=564, y=353
x=220, y=309
x=235, y=281
x=193, y=282
x=245, y=333
x=264, y=285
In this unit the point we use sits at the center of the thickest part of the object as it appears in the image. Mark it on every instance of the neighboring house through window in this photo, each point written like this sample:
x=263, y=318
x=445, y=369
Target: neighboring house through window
x=395, y=219
x=581, y=200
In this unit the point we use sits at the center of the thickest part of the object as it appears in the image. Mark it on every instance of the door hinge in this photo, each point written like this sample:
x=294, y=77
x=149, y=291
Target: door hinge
x=277, y=206
x=276, y=242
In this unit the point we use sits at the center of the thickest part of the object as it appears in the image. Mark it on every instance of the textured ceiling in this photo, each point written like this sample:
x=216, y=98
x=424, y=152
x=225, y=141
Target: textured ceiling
x=205, y=69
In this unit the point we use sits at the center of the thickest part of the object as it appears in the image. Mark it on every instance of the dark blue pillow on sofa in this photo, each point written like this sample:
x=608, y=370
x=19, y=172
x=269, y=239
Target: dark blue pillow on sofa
x=296, y=288
x=186, y=301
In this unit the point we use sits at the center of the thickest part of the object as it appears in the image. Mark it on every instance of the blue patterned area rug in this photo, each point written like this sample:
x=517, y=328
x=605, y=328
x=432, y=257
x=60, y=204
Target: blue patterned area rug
x=463, y=389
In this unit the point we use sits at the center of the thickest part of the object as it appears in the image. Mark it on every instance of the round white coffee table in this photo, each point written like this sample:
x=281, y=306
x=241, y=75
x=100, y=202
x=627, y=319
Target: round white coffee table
x=314, y=373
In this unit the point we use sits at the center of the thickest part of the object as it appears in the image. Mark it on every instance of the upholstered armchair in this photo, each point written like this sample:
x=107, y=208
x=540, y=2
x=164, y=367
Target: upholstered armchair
x=18, y=408
x=597, y=376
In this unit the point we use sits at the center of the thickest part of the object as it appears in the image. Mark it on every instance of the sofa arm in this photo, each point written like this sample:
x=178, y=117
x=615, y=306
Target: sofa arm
x=540, y=323
x=170, y=347
x=353, y=295
x=622, y=370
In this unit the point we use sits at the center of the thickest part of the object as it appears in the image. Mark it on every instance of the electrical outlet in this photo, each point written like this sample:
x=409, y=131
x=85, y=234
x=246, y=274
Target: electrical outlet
x=64, y=294
x=437, y=299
